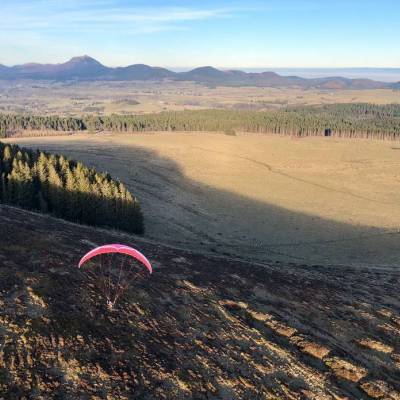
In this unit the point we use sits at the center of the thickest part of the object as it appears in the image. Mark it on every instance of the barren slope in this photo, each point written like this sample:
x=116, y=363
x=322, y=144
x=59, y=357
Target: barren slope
x=201, y=327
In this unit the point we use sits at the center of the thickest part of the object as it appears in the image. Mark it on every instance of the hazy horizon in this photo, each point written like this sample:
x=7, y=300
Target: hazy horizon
x=390, y=74
x=386, y=74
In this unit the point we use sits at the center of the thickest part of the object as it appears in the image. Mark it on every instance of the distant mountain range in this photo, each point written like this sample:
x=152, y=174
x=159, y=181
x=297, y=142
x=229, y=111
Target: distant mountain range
x=87, y=68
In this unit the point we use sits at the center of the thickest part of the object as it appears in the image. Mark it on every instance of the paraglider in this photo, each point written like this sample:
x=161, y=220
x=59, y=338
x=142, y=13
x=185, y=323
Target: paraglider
x=113, y=267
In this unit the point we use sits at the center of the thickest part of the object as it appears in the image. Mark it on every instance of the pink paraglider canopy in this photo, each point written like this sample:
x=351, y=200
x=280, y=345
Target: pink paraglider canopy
x=117, y=248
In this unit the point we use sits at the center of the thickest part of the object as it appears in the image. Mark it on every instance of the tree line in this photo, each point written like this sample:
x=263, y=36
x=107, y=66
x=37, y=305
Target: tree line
x=68, y=189
x=342, y=120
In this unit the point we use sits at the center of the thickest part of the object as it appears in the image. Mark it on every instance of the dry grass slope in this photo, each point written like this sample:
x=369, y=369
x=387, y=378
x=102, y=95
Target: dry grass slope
x=201, y=327
x=312, y=201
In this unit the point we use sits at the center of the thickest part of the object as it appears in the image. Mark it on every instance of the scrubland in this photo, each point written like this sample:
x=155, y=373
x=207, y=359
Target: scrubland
x=201, y=327
x=104, y=98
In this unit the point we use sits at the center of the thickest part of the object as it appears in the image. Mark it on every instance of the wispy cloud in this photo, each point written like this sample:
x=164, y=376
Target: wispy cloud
x=84, y=16
x=51, y=30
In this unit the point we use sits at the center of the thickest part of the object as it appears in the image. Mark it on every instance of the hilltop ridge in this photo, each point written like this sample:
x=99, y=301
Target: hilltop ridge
x=87, y=68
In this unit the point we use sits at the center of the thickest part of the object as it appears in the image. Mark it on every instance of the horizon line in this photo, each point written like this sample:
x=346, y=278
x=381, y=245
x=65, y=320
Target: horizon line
x=209, y=65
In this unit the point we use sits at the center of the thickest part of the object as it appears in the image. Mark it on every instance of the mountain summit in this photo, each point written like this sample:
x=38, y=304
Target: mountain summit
x=76, y=68
x=83, y=60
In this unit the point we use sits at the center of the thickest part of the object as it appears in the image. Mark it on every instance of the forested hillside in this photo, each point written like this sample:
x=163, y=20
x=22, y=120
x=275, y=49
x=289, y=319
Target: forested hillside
x=50, y=183
x=341, y=120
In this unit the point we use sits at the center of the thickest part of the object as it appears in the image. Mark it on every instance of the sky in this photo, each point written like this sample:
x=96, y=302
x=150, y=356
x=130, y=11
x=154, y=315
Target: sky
x=225, y=34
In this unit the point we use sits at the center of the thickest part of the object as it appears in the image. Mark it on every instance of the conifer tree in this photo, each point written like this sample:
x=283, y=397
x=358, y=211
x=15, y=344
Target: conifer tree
x=51, y=183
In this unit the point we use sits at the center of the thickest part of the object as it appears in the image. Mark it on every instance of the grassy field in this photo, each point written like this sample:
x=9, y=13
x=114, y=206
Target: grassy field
x=311, y=201
x=69, y=98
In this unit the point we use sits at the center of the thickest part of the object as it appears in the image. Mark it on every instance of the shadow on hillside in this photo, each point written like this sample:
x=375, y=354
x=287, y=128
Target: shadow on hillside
x=185, y=213
x=197, y=319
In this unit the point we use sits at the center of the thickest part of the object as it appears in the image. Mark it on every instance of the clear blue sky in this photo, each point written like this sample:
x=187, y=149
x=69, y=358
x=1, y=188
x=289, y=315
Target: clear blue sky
x=285, y=33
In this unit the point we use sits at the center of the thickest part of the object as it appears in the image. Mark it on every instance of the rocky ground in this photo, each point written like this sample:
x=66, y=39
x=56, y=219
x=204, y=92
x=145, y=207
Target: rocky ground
x=199, y=328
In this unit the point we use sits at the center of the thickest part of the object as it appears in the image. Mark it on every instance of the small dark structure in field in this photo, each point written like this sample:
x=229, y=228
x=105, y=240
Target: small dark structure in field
x=328, y=132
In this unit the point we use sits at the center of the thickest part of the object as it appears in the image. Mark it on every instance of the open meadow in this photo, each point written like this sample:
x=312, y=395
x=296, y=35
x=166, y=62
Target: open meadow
x=142, y=97
x=261, y=197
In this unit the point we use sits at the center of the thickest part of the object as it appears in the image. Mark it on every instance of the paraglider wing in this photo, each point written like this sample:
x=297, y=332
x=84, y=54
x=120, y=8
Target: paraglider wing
x=117, y=248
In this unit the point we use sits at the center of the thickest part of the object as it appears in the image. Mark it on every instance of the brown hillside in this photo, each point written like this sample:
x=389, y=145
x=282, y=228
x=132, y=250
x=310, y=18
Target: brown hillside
x=200, y=328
